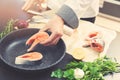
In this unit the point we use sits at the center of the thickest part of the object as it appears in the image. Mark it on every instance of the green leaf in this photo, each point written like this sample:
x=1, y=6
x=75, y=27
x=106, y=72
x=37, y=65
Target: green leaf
x=69, y=74
x=58, y=73
x=93, y=70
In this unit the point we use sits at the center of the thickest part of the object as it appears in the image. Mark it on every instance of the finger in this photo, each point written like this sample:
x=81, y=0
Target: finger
x=28, y=5
x=52, y=40
x=41, y=2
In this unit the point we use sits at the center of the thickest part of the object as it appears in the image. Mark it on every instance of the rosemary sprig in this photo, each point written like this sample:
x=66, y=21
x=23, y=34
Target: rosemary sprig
x=8, y=28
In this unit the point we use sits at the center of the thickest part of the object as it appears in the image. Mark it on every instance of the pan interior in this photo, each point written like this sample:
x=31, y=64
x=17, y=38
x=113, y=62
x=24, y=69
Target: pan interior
x=13, y=45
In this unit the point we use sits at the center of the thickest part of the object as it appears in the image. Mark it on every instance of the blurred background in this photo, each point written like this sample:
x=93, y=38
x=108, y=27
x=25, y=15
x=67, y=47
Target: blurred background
x=109, y=15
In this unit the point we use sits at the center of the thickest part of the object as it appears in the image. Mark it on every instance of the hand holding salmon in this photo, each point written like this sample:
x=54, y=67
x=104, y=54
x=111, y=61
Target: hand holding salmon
x=36, y=39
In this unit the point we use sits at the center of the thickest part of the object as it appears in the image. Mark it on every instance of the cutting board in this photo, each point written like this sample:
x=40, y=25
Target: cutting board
x=75, y=38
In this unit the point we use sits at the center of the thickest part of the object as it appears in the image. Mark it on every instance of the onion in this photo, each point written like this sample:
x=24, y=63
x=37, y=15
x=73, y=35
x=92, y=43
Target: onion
x=21, y=24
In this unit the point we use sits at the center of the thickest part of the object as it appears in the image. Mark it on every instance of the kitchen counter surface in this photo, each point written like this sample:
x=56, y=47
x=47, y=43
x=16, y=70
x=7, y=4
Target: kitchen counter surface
x=114, y=52
x=114, y=49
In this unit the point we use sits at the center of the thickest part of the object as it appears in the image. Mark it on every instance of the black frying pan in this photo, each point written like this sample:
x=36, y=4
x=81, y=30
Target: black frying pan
x=13, y=45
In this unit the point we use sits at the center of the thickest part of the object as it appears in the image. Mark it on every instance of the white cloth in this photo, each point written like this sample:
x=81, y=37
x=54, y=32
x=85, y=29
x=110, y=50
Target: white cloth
x=82, y=8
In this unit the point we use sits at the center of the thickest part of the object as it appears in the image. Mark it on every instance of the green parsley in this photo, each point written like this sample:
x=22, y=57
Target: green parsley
x=93, y=70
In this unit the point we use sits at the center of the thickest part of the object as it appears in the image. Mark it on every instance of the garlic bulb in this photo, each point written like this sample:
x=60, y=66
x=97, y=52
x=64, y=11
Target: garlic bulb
x=78, y=73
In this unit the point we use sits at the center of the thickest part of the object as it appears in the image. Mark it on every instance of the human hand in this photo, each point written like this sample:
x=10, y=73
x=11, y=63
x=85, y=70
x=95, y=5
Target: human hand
x=55, y=26
x=31, y=3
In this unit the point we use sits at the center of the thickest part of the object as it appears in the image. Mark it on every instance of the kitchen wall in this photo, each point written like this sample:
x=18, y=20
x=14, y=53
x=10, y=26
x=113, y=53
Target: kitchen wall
x=109, y=16
x=111, y=7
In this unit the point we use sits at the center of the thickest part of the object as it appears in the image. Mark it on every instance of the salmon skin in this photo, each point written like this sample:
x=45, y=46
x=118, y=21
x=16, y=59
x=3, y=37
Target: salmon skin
x=28, y=58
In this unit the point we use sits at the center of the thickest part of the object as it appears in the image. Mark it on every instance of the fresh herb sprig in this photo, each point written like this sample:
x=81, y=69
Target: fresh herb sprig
x=93, y=70
x=8, y=28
